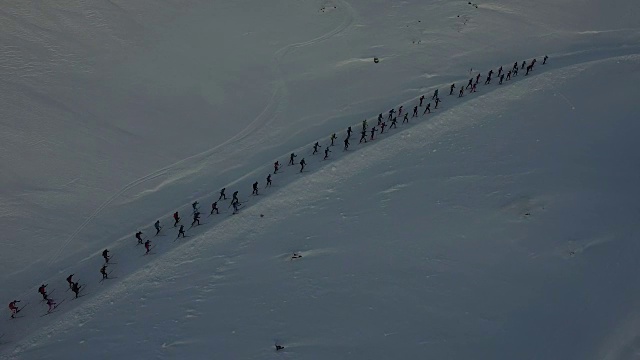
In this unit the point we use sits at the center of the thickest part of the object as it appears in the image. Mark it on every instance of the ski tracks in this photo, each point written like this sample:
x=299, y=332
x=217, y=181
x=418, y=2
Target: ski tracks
x=276, y=105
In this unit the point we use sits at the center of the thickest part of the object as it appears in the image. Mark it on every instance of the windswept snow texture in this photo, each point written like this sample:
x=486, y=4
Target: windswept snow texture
x=503, y=225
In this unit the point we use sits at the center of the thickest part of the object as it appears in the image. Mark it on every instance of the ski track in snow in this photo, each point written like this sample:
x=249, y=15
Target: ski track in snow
x=270, y=112
x=77, y=316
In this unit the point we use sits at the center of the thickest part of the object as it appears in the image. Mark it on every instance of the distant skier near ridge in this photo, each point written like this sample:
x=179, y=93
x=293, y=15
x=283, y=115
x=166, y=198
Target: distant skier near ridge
x=394, y=123
x=157, y=226
x=196, y=218
x=470, y=83
x=333, y=136
x=437, y=102
x=515, y=66
x=500, y=71
x=326, y=154
x=103, y=271
x=70, y=279
x=195, y=206
x=147, y=246
x=315, y=148
x=501, y=78
x=51, y=304
x=461, y=92
x=544, y=60
x=453, y=86
x=235, y=197
x=435, y=95
x=176, y=218
x=291, y=157
x=491, y=73
x=348, y=132
x=269, y=176
x=382, y=126
x=105, y=255
x=523, y=64
x=363, y=136
x=477, y=78
x=364, y=123
x=379, y=119
x=427, y=109
x=235, y=207
x=14, y=308
x=515, y=71
x=374, y=130
x=405, y=119
x=474, y=88
x=346, y=144
x=214, y=207
x=276, y=166
x=391, y=112
x=75, y=288
x=529, y=67
x=255, y=188
x=415, y=111
x=222, y=194
x=302, y=164
x=488, y=81
x=181, y=231
x=509, y=75
x=139, y=237
x=421, y=100
x=43, y=291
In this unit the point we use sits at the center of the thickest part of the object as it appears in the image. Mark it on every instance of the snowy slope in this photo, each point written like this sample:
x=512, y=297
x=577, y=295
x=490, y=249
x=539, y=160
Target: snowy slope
x=416, y=245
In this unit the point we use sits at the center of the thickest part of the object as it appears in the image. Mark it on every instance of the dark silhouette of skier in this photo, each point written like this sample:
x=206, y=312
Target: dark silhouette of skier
x=391, y=114
x=421, y=100
x=544, y=60
x=400, y=111
x=326, y=153
x=70, y=279
x=276, y=166
x=500, y=71
x=235, y=196
x=75, y=288
x=103, y=271
x=269, y=176
x=501, y=78
x=364, y=124
x=509, y=75
x=181, y=231
x=346, y=144
x=437, y=102
x=373, y=130
x=515, y=71
x=477, y=78
x=214, y=207
x=470, y=83
x=427, y=109
x=291, y=157
x=394, y=123
x=315, y=148
x=196, y=218
x=255, y=188
x=415, y=111
x=488, y=81
x=302, y=164
x=529, y=67
x=222, y=194
x=379, y=119
x=515, y=65
x=105, y=255
x=43, y=291
x=523, y=64
x=435, y=95
x=461, y=92
x=147, y=246
x=157, y=226
x=453, y=86
x=139, y=237
x=382, y=126
x=348, y=132
x=363, y=136
x=333, y=136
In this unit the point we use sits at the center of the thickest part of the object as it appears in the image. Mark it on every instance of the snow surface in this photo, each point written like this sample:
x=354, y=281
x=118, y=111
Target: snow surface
x=501, y=226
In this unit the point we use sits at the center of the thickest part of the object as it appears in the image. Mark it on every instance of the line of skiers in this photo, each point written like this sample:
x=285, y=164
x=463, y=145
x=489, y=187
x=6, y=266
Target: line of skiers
x=75, y=287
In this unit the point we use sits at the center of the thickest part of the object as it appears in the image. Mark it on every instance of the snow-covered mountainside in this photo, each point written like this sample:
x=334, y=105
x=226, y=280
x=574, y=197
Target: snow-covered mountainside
x=502, y=225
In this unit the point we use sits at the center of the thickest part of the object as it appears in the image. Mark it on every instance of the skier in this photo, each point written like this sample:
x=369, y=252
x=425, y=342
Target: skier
x=195, y=206
x=302, y=164
x=373, y=130
x=529, y=67
x=326, y=153
x=421, y=100
x=363, y=136
x=391, y=114
x=269, y=176
x=235, y=207
x=348, y=132
x=75, y=288
x=515, y=71
x=105, y=255
x=333, y=136
x=437, y=102
x=515, y=66
x=295, y=256
x=43, y=291
x=435, y=95
x=406, y=118
x=364, y=123
x=214, y=207
x=544, y=60
x=415, y=111
x=235, y=197
x=474, y=88
x=509, y=75
x=69, y=280
x=147, y=245
x=427, y=109
x=379, y=119
x=157, y=226
x=139, y=237
x=276, y=166
x=453, y=86
x=461, y=92
x=222, y=194
x=477, y=78
x=470, y=83
x=14, y=308
x=400, y=111
x=491, y=73
x=177, y=218
x=196, y=218
x=394, y=123
x=279, y=347
x=346, y=144
x=488, y=81
x=181, y=231
x=291, y=162
x=382, y=126
x=315, y=148
x=500, y=71
x=255, y=188
x=523, y=64
x=51, y=304
x=501, y=78
x=103, y=270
